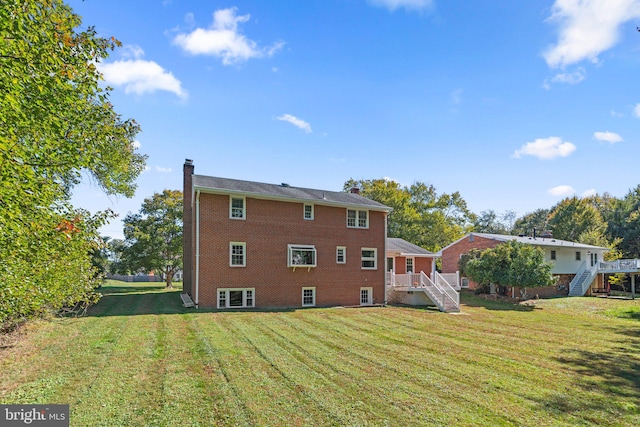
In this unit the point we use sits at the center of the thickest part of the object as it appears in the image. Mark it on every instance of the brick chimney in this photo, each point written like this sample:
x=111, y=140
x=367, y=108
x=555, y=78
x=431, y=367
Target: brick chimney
x=187, y=226
x=354, y=190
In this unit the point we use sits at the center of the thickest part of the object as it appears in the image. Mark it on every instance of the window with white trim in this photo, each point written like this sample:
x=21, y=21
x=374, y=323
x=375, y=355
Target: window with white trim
x=409, y=265
x=553, y=255
x=301, y=256
x=578, y=255
x=237, y=254
x=341, y=254
x=308, y=297
x=366, y=296
x=357, y=219
x=369, y=259
x=237, y=207
x=236, y=298
x=308, y=212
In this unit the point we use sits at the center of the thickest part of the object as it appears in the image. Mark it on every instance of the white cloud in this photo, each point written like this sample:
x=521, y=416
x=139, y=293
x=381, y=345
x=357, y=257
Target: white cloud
x=139, y=76
x=562, y=191
x=614, y=113
x=407, y=4
x=570, y=78
x=296, y=122
x=136, y=144
x=589, y=193
x=610, y=137
x=224, y=40
x=163, y=170
x=546, y=148
x=587, y=28
x=636, y=110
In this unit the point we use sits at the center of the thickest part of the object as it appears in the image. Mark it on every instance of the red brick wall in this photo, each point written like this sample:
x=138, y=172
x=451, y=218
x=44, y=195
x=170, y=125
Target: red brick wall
x=451, y=255
x=267, y=230
x=423, y=264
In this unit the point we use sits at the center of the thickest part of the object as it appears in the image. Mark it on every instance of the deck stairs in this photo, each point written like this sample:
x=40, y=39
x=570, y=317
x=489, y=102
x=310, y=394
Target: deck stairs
x=439, y=291
x=582, y=280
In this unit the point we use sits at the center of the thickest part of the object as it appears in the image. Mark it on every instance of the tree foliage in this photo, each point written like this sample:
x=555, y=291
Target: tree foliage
x=509, y=264
x=492, y=222
x=153, y=237
x=55, y=123
x=420, y=215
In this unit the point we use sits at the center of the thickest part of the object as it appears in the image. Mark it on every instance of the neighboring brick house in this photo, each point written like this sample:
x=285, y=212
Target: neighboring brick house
x=566, y=257
x=405, y=257
x=250, y=244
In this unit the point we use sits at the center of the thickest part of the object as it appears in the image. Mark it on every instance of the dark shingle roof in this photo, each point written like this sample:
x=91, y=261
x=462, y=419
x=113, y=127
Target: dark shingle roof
x=395, y=244
x=283, y=192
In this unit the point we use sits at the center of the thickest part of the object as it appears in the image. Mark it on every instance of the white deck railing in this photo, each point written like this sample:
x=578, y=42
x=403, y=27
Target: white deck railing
x=439, y=293
x=619, y=265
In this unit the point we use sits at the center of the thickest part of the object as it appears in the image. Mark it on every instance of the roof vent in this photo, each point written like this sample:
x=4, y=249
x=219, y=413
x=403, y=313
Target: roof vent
x=284, y=184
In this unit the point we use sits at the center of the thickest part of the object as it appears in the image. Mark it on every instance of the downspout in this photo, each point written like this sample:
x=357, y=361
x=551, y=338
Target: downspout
x=197, y=247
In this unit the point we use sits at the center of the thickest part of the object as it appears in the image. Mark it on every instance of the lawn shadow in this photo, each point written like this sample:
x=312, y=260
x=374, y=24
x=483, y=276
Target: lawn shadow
x=130, y=300
x=615, y=372
x=491, y=302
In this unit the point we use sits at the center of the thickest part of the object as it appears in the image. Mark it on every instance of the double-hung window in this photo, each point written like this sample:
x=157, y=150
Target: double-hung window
x=236, y=298
x=237, y=209
x=369, y=258
x=553, y=255
x=301, y=256
x=357, y=219
x=238, y=254
x=308, y=212
x=409, y=265
x=341, y=254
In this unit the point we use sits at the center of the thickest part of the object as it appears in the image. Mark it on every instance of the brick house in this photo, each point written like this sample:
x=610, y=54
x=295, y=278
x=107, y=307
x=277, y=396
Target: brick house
x=568, y=258
x=405, y=257
x=250, y=244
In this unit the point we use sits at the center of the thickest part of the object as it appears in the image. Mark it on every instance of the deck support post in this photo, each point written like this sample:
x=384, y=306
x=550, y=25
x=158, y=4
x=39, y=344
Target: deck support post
x=633, y=285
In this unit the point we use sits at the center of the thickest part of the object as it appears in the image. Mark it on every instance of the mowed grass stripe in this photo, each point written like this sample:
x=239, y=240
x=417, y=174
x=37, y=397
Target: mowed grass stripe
x=428, y=380
x=323, y=362
x=312, y=397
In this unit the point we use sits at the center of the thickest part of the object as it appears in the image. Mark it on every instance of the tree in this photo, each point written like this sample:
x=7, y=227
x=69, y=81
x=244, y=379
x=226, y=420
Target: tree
x=536, y=220
x=55, y=123
x=510, y=264
x=420, y=215
x=623, y=221
x=153, y=237
x=574, y=219
x=491, y=222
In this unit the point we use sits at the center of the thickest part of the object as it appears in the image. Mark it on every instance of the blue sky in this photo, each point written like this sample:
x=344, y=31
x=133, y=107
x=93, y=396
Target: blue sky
x=513, y=104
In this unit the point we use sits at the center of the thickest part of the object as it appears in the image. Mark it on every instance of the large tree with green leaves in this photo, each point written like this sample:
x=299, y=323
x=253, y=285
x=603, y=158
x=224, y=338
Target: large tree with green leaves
x=420, y=215
x=153, y=237
x=55, y=122
x=510, y=264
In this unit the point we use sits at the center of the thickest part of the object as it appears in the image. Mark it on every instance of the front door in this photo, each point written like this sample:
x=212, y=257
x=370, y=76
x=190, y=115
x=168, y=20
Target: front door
x=594, y=259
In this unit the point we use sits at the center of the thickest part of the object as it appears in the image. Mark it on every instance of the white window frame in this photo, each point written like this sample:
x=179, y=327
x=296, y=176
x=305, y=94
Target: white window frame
x=312, y=211
x=244, y=254
x=231, y=208
x=344, y=254
x=413, y=265
x=313, y=297
x=290, y=256
x=369, y=295
x=357, y=218
x=578, y=256
x=248, y=297
x=553, y=255
x=373, y=258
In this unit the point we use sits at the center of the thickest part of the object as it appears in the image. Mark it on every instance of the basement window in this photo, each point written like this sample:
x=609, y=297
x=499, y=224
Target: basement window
x=236, y=298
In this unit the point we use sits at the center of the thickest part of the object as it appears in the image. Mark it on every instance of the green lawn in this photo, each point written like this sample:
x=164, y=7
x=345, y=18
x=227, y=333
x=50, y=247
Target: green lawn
x=140, y=359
